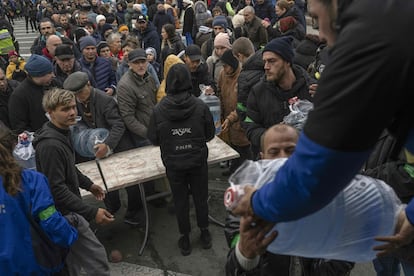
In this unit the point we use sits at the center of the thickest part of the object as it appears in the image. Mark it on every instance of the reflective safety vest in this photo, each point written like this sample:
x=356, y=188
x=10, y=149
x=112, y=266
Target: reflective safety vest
x=6, y=42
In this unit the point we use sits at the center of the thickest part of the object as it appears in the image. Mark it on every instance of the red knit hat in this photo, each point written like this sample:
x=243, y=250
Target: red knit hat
x=13, y=53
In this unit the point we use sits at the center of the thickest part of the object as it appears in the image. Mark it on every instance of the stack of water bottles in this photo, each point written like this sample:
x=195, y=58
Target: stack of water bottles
x=345, y=229
x=213, y=103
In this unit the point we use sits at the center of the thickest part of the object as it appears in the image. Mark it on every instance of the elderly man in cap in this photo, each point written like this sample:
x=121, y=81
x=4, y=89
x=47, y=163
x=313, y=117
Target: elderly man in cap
x=136, y=99
x=199, y=70
x=268, y=101
x=136, y=96
x=100, y=68
x=6, y=89
x=25, y=104
x=147, y=34
x=65, y=64
x=98, y=110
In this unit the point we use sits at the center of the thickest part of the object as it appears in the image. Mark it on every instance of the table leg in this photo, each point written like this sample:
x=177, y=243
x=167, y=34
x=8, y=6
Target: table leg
x=145, y=207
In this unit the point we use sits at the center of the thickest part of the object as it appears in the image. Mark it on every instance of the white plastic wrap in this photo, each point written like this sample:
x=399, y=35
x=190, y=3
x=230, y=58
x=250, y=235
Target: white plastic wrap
x=343, y=230
x=24, y=152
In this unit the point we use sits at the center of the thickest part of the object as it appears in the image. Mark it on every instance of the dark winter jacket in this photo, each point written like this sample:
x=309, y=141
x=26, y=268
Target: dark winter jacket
x=25, y=107
x=267, y=104
x=60, y=76
x=55, y=158
x=250, y=75
x=173, y=46
x=149, y=38
x=296, y=32
x=136, y=101
x=188, y=21
x=101, y=71
x=394, y=170
x=4, y=101
x=105, y=114
x=123, y=68
x=306, y=51
x=265, y=10
x=181, y=124
x=255, y=32
x=201, y=76
x=160, y=19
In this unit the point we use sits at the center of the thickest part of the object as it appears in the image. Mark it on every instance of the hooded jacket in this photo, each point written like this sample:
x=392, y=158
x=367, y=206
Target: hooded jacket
x=181, y=124
x=169, y=62
x=55, y=157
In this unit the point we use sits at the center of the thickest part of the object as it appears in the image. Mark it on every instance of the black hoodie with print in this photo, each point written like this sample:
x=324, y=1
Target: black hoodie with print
x=181, y=124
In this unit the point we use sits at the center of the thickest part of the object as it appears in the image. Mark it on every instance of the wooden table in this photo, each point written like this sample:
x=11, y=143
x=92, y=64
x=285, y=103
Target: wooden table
x=140, y=165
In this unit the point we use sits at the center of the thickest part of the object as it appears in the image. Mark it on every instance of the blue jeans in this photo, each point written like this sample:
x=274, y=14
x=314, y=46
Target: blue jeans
x=390, y=266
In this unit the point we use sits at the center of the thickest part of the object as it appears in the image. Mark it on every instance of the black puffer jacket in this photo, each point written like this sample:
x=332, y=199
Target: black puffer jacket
x=55, y=158
x=250, y=75
x=181, y=123
x=268, y=104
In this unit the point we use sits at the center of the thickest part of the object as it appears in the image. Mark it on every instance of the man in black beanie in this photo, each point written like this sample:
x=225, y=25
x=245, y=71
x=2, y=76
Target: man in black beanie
x=181, y=124
x=268, y=101
x=25, y=104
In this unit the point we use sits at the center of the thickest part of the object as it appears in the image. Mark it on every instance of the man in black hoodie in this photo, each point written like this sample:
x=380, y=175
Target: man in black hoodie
x=55, y=158
x=181, y=124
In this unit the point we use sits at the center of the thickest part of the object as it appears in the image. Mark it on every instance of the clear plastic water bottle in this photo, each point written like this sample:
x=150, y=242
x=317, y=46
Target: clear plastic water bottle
x=213, y=103
x=344, y=229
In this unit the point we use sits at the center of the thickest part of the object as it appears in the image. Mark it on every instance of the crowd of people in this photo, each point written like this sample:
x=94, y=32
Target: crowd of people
x=135, y=68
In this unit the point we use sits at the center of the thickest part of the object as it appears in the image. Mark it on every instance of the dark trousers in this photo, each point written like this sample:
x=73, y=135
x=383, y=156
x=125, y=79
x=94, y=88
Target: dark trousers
x=245, y=154
x=194, y=180
x=113, y=203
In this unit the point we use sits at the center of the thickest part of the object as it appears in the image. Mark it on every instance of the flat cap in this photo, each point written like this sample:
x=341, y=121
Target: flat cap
x=76, y=81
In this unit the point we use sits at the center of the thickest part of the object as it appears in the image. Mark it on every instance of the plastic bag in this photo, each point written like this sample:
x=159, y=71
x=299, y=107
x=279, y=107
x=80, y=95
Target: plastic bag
x=255, y=173
x=298, y=113
x=84, y=139
x=345, y=229
x=24, y=153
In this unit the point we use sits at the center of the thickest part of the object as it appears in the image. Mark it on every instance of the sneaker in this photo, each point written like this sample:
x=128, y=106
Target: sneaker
x=184, y=245
x=133, y=218
x=205, y=238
